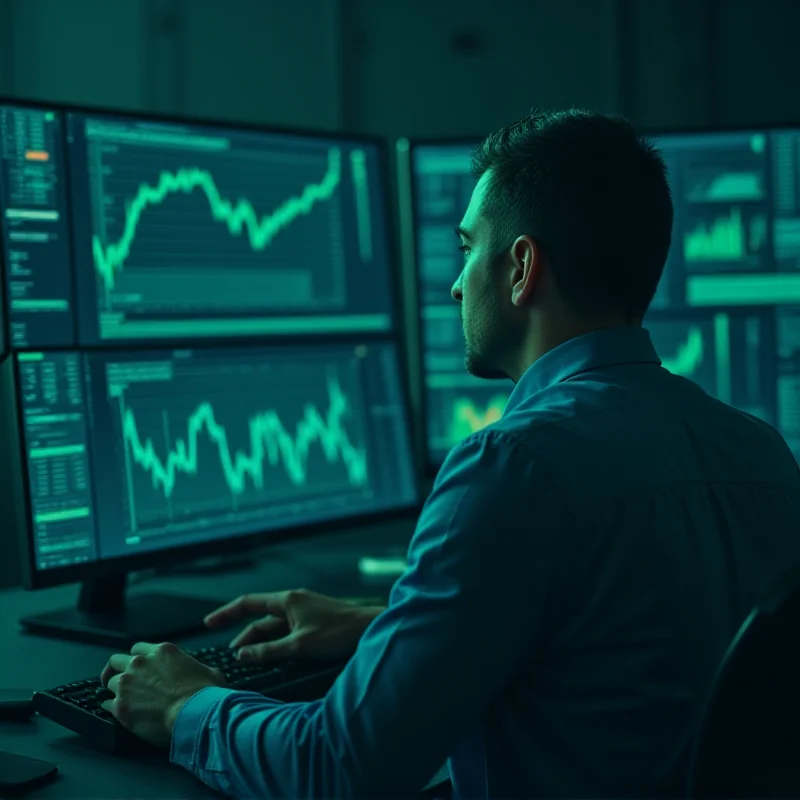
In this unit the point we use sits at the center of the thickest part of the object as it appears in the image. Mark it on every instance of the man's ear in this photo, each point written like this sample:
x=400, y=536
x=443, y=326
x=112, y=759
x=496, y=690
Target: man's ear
x=526, y=257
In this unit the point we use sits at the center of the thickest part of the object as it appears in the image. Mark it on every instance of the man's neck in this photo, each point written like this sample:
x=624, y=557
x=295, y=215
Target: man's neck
x=549, y=337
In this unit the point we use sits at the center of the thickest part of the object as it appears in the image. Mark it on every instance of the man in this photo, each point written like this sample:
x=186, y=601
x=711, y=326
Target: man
x=580, y=566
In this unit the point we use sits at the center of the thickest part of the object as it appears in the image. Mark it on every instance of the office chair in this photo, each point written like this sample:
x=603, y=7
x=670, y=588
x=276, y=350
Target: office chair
x=748, y=742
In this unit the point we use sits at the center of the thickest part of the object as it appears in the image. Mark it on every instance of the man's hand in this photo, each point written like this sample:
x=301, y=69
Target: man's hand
x=296, y=624
x=151, y=685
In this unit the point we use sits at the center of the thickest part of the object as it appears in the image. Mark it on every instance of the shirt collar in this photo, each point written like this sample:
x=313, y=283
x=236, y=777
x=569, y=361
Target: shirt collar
x=626, y=344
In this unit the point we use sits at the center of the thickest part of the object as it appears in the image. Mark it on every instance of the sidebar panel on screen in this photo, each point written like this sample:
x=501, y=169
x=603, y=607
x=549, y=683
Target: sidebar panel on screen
x=36, y=245
x=54, y=422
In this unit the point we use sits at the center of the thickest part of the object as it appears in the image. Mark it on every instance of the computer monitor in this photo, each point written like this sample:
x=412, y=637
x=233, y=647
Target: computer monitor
x=727, y=311
x=180, y=417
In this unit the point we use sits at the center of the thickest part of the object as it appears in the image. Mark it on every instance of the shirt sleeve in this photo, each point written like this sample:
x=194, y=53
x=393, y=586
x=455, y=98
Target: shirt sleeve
x=460, y=623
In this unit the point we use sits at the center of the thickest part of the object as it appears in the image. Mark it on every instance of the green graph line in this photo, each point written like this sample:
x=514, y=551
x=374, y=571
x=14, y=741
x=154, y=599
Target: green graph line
x=689, y=355
x=270, y=444
x=239, y=216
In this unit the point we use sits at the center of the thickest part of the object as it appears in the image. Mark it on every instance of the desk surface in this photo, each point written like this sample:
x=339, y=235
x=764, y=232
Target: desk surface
x=327, y=565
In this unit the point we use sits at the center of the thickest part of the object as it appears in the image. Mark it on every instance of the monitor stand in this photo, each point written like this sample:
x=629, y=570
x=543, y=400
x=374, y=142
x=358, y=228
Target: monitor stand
x=105, y=615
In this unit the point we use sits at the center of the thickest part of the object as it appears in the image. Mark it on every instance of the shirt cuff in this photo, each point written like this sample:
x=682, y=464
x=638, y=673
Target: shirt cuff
x=189, y=723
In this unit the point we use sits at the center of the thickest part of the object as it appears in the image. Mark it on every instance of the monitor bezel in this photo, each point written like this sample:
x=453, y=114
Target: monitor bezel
x=431, y=465
x=22, y=511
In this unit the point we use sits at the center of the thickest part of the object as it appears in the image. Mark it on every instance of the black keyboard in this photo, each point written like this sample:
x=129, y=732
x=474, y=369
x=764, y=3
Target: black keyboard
x=76, y=705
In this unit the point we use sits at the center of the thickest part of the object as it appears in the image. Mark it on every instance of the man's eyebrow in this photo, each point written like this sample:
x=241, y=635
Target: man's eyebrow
x=463, y=233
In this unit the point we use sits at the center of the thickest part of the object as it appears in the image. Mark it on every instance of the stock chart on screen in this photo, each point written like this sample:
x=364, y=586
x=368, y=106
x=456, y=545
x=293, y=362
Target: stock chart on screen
x=161, y=448
x=727, y=311
x=184, y=231
x=35, y=227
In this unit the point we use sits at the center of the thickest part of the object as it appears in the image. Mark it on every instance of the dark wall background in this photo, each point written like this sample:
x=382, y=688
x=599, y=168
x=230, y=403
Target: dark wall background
x=407, y=67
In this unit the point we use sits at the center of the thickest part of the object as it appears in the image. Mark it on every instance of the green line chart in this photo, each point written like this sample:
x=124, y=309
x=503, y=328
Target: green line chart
x=216, y=439
x=689, y=355
x=263, y=235
x=271, y=444
x=689, y=348
x=239, y=217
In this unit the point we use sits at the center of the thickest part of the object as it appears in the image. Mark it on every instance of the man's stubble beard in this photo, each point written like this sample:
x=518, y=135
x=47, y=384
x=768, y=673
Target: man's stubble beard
x=491, y=343
x=494, y=338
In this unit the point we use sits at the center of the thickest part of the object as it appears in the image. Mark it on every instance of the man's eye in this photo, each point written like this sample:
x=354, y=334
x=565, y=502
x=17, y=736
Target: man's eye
x=464, y=249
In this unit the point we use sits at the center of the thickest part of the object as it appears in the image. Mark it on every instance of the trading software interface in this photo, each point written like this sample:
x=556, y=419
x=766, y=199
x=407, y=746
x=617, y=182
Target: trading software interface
x=727, y=311
x=172, y=232
x=137, y=252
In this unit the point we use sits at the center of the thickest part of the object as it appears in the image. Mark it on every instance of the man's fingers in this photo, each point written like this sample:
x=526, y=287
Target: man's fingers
x=143, y=649
x=113, y=685
x=248, y=605
x=118, y=712
x=270, y=651
x=263, y=629
x=105, y=675
x=117, y=663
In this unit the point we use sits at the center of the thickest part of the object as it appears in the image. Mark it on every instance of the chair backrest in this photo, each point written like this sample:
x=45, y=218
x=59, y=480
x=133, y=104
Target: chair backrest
x=748, y=743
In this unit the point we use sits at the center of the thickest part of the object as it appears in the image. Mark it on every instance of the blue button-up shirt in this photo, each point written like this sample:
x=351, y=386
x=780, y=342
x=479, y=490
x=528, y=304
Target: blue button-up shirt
x=574, y=580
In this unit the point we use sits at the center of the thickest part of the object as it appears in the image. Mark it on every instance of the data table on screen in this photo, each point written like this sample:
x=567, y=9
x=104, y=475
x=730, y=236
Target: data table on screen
x=35, y=228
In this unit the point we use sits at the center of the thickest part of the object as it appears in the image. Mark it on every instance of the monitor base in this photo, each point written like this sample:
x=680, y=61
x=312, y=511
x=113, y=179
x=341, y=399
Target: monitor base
x=144, y=618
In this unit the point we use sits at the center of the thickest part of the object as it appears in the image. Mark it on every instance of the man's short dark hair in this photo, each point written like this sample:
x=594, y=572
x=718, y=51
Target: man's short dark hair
x=593, y=194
